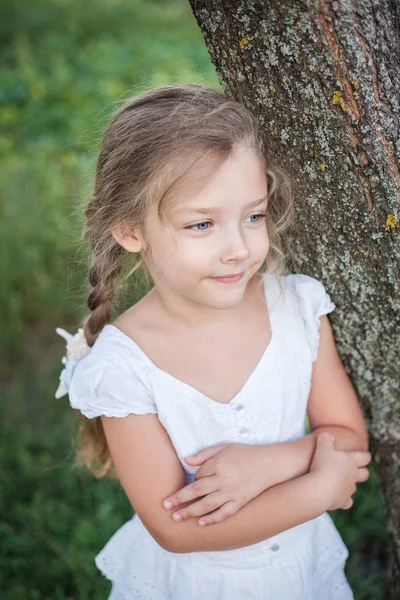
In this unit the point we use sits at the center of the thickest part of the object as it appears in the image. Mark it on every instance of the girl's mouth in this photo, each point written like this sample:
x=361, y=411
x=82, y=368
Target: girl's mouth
x=229, y=278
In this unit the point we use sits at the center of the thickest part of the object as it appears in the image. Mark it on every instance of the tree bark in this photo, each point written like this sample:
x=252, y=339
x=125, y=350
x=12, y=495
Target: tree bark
x=324, y=80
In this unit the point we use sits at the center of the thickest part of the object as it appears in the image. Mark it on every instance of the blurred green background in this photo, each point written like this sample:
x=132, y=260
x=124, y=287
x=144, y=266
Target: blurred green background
x=65, y=67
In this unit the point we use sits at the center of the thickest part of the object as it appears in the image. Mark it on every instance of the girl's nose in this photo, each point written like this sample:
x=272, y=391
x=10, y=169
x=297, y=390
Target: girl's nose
x=235, y=247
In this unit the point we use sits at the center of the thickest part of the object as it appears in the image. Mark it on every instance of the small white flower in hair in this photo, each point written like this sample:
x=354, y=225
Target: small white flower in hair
x=77, y=348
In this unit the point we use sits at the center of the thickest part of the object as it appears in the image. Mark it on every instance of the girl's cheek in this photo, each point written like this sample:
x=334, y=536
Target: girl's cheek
x=199, y=253
x=260, y=247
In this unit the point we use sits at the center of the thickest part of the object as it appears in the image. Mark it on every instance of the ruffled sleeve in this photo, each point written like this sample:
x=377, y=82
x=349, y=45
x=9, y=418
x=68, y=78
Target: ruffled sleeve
x=104, y=379
x=313, y=301
x=99, y=387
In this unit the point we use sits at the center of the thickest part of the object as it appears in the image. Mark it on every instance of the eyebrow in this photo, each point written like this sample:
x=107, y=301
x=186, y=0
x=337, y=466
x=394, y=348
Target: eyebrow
x=217, y=209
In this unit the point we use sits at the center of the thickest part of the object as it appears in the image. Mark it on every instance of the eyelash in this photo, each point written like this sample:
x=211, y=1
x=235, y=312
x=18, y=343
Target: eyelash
x=192, y=227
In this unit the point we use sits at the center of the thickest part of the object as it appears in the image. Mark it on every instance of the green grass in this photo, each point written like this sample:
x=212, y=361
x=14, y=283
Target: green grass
x=65, y=67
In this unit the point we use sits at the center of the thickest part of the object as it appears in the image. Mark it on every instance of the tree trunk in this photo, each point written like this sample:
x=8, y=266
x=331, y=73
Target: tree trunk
x=324, y=80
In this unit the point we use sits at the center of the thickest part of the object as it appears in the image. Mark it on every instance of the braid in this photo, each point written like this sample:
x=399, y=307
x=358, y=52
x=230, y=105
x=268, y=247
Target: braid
x=106, y=266
x=103, y=274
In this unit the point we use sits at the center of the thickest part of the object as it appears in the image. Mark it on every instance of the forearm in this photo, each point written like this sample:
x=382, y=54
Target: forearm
x=293, y=458
x=273, y=511
x=345, y=438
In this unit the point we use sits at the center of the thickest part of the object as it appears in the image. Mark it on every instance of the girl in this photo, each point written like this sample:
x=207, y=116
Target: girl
x=217, y=359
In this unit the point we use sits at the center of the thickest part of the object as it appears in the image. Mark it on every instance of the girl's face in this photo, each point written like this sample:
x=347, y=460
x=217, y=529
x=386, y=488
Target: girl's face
x=216, y=232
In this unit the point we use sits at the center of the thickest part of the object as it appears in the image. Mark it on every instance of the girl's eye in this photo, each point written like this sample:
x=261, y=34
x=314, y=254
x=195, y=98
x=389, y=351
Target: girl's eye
x=200, y=225
x=258, y=216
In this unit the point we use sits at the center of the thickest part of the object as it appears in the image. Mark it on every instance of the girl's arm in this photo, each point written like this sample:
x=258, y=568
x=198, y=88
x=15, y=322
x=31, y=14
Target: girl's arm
x=149, y=470
x=332, y=405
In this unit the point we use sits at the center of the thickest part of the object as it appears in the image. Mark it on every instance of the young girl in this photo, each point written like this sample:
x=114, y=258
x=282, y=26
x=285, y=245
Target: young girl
x=197, y=395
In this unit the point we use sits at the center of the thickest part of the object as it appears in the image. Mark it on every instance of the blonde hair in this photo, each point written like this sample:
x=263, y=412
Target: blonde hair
x=155, y=145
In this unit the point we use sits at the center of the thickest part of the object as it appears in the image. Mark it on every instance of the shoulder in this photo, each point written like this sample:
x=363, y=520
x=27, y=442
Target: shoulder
x=300, y=289
x=304, y=285
x=113, y=380
x=309, y=293
x=310, y=300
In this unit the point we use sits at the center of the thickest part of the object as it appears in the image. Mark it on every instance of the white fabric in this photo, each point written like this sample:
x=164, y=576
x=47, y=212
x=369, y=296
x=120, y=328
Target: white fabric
x=313, y=303
x=117, y=378
x=101, y=387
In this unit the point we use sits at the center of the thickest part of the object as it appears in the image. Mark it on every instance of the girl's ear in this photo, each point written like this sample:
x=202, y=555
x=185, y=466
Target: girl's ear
x=130, y=239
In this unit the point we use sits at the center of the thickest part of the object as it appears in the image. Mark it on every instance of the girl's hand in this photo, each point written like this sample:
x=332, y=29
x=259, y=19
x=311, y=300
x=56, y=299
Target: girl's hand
x=340, y=471
x=230, y=476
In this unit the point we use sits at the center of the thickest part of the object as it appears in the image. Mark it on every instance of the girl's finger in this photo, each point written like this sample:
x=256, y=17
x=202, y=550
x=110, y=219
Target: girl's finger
x=362, y=457
x=202, y=507
x=206, y=470
x=205, y=454
x=362, y=474
x=348, y=504
x=227, y=510
x=204, y=486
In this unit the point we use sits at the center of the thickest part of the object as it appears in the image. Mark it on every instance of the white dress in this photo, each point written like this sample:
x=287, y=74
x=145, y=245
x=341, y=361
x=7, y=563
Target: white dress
x=117, y=378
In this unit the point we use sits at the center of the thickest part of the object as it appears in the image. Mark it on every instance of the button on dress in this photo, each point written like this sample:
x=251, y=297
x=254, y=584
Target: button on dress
x=117, y=378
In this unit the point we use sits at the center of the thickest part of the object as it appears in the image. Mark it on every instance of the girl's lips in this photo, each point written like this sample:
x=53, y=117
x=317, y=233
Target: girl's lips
x=231, y=279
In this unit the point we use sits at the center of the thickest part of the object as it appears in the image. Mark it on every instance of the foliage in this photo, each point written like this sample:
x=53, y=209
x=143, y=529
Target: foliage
x=54, y=518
